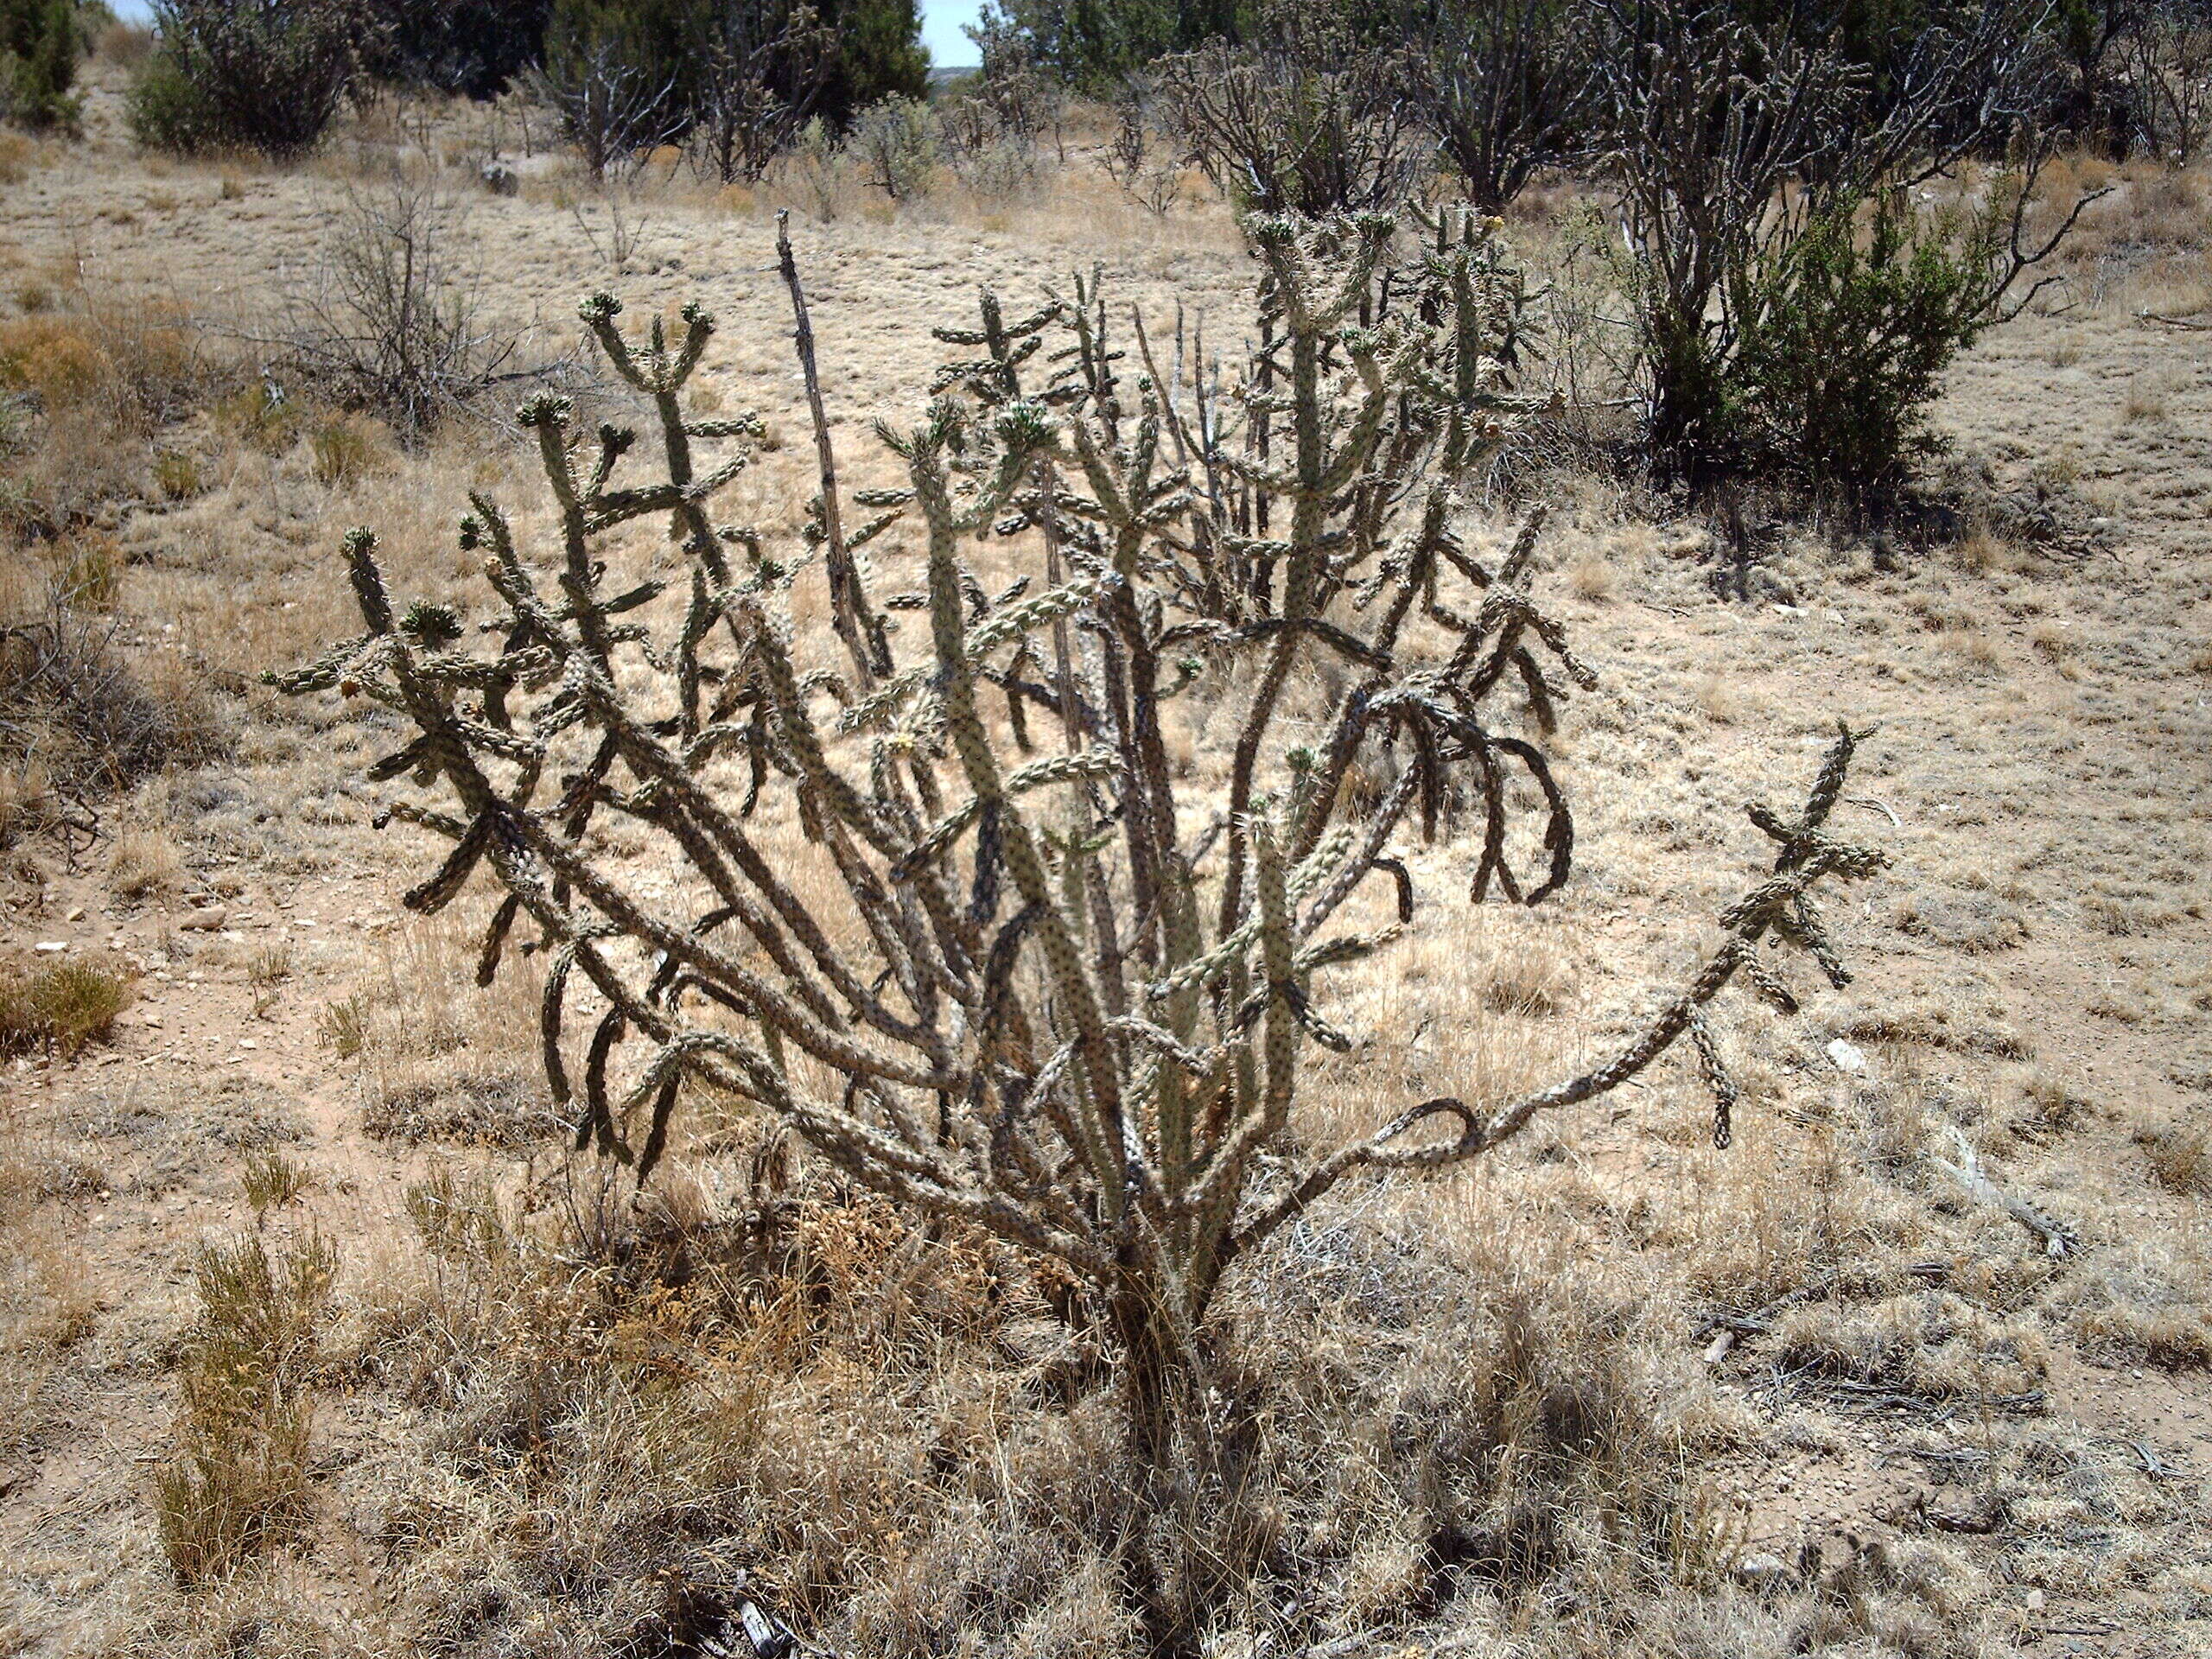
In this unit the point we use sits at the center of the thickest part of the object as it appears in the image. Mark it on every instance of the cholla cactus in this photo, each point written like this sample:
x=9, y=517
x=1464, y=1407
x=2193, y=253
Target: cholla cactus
x=1063, y=998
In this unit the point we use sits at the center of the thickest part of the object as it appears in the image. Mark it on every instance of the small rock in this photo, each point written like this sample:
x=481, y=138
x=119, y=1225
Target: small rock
x=2035, y=1601
x=205, y=921
x=1846, y=1057
x=51, y=947
x=1761, y=1571
x=76, y=915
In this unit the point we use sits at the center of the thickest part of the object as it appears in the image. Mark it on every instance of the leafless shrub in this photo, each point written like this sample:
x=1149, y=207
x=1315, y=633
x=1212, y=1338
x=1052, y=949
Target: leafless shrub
x=2165, y=57
x=77, y=724
x=392, y=321
x=991, y=153
x=1142, y=157
x=1307, y=122
x=615, y=102
x=1507, y=88
x=764, y=68
x=1055, y=1000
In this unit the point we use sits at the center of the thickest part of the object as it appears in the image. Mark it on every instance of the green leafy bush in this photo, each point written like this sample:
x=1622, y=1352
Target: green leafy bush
x=1845, y=331
x=39, y=43
x=897, y=142
x=266, y=75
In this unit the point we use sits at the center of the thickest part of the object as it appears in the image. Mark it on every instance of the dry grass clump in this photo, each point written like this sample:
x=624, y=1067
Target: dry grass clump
x=1932, y=1343
x=78, y=722
x=1590, y=576
x=2180, y=1155
x=1982, y=551
x=143, y=864
x=1531, y=973
x=344, y=448
x=138, y=363
x=61, y=1007
x=901, y=1430
x=485, y=1106
x=270, y=1180
x=239, y=1481
x=2145, y=1309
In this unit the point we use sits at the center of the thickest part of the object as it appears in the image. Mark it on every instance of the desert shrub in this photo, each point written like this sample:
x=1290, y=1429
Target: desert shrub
x=2166, y=62
x=614, y=72
x=1740, y=156
x=266, y=75
x=759, y=71
x=473, y=47
x=1845, y=331
x=134, y=365
x=391, y=320
x=61, y=1006
x=1057, y=999
x=1012, y=83
x=126, y=45
x=1096, y=49
x=896, y=143
x=57, y=358
x=989, y=154
x=40, y=44
x=1309, y=121
x=1143, y=157
x=814, y=168
x=76, y=724
x=878, y=55
x=1506, y=89
x=239, y=1482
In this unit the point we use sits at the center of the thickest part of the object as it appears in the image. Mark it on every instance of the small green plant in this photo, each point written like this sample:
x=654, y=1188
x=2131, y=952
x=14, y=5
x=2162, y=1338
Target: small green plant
x=898, y=144
x=176, y=475
x=1845, y=331
x=239, y=1482
x=340, y=451
x=62, y=1007
x=345, y=1026
x=269, y=965
x=271, y=1180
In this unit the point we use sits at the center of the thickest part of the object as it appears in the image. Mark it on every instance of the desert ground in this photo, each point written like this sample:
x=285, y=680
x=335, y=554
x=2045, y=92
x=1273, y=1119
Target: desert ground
x=1860, y=1399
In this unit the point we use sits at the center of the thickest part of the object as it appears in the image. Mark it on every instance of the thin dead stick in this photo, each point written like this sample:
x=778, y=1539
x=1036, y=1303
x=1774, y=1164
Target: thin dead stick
x=2173, y=322
x=847, y=604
